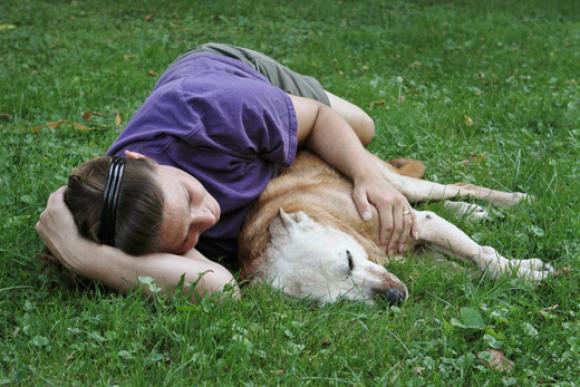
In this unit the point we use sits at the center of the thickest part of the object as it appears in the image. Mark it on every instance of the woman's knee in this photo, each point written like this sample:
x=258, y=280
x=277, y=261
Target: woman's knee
x=362, y=124
x=366, y=127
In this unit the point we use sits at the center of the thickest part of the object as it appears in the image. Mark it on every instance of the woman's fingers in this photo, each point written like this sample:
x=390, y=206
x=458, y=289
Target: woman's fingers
x=54, y=222
x=57, y=196
x=408, y=221
x=404, y=224
x=397, y=230
x=386, y=224
x=397, y=220
x=361, y=202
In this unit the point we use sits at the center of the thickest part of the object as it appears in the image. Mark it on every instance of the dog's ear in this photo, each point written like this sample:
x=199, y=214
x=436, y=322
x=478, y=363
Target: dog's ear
x=278, y=227
x=285, y=222
x=291, y=219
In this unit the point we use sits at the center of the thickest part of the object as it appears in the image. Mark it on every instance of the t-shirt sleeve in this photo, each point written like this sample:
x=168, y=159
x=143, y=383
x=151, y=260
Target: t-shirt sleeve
x=242, y=117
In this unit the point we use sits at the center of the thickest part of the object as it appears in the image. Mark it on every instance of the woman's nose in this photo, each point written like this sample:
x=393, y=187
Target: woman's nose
x=202, y=218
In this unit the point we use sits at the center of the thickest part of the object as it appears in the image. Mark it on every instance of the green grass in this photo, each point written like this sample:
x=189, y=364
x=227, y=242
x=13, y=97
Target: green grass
x=512, y=67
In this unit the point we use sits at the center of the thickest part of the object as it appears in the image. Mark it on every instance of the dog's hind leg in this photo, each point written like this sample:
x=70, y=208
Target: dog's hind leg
x=441, y=235
x=417, y=190
x=468, y=210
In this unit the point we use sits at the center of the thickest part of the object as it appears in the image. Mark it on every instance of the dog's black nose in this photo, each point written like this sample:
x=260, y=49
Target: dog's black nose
x=394, y=296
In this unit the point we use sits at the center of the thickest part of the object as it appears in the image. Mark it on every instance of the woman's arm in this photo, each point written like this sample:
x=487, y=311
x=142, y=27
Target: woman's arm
x=358, y=119
x=325, y=133
x=116, y=269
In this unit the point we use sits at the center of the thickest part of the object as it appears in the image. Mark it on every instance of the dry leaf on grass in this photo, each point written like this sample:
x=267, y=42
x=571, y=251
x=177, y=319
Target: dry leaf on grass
x=380, y=102
x=416, y=64
x=474, y=158
x=468, y=120
x=55, y=124
x=37, y=128
x=418, y=371
x=79, y=126
x=494, y=359
x=4, y=27
x=545, y=312
x=550, y=308
x=118, y=119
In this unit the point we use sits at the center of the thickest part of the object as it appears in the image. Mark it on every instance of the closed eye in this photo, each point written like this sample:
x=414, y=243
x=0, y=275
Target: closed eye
x=350, y=261
x=188, y=196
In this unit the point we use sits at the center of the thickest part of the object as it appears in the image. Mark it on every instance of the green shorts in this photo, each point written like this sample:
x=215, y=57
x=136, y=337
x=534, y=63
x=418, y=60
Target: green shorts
x=278, y=74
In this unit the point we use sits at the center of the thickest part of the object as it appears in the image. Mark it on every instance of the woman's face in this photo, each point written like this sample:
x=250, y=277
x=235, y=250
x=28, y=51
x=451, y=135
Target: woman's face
x=188, y=209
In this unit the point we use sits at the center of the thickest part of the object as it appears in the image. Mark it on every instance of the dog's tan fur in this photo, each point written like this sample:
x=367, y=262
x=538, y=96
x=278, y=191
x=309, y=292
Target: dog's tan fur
x=312, y=186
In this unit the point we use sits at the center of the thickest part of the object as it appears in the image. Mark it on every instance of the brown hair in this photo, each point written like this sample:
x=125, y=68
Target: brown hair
x=140, y=205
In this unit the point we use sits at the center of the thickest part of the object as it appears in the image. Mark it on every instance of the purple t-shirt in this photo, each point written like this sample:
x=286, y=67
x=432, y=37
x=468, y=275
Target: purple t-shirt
x=225, y=124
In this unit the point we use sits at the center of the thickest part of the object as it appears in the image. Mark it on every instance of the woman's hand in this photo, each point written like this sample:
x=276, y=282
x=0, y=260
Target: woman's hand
x=326, y=134
x=397, y=222
x=56, y=227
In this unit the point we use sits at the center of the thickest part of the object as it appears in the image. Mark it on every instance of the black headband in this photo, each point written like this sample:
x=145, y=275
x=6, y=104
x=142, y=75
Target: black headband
x=110, y=200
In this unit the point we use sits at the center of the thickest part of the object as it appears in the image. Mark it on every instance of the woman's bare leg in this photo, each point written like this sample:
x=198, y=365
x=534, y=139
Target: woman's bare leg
x=357, y=118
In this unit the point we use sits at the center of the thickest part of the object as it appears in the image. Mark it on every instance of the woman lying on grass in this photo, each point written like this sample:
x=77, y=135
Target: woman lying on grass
x=171, y=196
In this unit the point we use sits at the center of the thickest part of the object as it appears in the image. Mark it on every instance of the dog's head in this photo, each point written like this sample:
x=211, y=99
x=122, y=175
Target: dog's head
x=306, y=259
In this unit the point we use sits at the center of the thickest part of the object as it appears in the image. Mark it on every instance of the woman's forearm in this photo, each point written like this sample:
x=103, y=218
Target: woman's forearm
x=121, y=272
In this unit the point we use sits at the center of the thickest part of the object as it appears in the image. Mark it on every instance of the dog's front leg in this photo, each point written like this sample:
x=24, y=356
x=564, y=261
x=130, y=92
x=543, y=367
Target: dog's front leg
x=441, y=235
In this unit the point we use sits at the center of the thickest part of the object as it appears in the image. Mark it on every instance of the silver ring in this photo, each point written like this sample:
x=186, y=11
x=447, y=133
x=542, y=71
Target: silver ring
x=406, y=212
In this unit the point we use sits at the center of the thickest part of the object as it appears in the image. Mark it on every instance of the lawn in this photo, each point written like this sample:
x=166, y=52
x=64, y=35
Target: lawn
x=485, y=92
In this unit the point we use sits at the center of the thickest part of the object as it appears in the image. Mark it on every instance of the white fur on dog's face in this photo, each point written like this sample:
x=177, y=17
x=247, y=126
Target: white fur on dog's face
x=308, y=260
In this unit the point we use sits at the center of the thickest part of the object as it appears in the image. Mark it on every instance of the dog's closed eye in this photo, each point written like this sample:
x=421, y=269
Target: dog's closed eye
x=350, y=261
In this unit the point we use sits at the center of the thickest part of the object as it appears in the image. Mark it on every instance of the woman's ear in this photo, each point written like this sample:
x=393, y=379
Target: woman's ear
x=130, y=155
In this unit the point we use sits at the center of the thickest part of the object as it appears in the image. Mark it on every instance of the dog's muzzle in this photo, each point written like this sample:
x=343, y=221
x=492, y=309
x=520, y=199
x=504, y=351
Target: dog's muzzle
x=393, y=296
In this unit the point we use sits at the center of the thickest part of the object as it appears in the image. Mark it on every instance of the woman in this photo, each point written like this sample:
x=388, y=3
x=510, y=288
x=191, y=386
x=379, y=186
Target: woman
x=216, y=128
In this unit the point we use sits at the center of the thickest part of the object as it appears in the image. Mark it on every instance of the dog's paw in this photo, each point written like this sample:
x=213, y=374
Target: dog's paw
x=476, y=212
x=533, y=275
x=468, y=210
x=522, y=197
x=532, y=264
x=517, y=198
x=531, y=269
